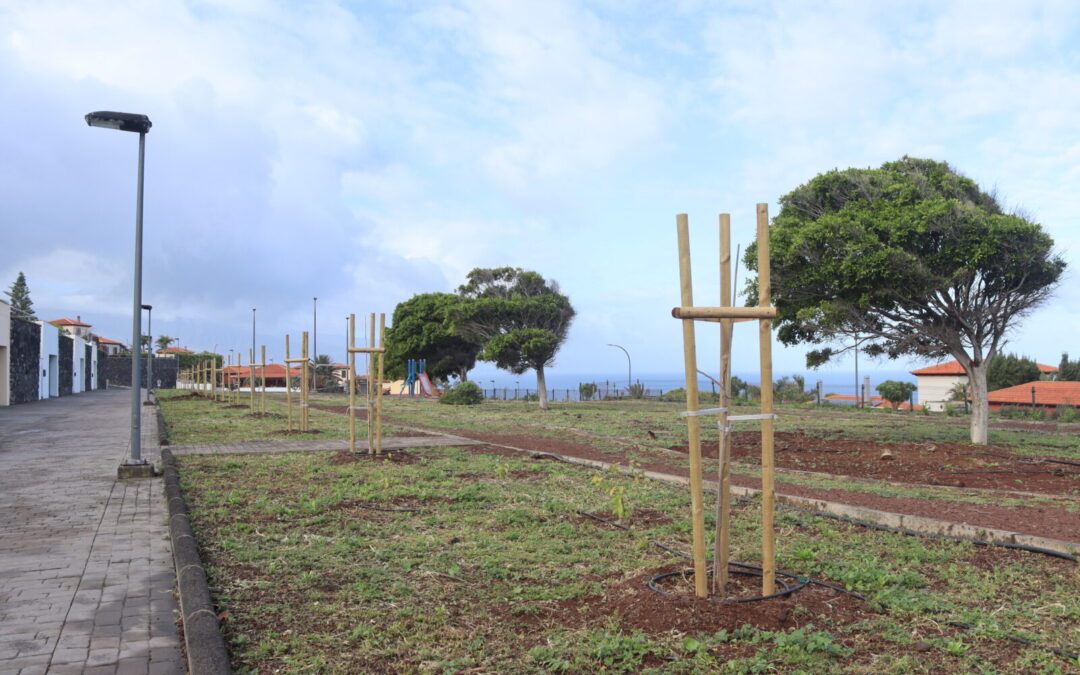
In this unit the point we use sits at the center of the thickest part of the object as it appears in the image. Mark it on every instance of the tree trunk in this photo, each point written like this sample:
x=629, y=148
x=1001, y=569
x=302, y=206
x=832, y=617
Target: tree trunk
x=980, y=406
x=541, y=388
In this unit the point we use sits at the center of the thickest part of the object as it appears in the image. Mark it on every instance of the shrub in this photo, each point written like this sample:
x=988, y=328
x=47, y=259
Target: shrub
x=636, y=390
x=679, y=395
x=465, y=393
x=586, y=391
x=1066, y=413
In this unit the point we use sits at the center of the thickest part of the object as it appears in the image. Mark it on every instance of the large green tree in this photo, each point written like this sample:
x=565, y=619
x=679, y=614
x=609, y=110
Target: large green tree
x=1068, y=370
x=420, y=329
x=520, y=319
x=19, y=295
x=912, y=256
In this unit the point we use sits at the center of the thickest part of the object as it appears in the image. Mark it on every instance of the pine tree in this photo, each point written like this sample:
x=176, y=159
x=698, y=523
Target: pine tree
x=20, y=298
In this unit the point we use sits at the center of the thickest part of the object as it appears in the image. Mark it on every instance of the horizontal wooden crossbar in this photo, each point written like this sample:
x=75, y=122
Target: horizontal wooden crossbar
x=296, y=360
x=366, y=350
x=717, y=313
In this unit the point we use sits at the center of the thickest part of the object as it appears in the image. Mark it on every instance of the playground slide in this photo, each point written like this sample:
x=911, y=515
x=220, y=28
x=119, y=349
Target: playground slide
x=426, y=386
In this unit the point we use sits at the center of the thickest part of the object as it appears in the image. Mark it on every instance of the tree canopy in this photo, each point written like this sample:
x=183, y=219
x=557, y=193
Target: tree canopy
x=914, y=258
x=1009, y=370
x=1068, y=370
x=420, y=329
x=19, y=295
x=896, y=392
x=519, y=319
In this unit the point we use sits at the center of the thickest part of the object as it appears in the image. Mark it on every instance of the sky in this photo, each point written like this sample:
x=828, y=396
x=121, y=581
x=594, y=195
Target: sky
x=364, y=152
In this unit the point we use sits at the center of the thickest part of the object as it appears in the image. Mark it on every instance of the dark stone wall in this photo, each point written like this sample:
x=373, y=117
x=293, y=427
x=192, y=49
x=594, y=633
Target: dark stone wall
x=88, y=370
x=102, y=358
x=118, y=371
x=25, y=352
x=65, y=345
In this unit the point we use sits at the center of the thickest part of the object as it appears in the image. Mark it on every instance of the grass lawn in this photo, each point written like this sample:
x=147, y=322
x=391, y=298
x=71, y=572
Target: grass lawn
x=464, y=561
x=191, y=419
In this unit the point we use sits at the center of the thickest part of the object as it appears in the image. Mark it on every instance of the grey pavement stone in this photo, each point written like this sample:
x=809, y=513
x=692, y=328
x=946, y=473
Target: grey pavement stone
x=86, y=572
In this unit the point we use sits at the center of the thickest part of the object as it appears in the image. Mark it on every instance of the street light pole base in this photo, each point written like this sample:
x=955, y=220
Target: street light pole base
x=145, y=470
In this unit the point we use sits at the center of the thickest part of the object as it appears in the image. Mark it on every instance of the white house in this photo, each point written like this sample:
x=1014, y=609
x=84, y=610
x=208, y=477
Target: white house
x=111, y=347
x=49, y=362
x=936, y=383
x=73, y=327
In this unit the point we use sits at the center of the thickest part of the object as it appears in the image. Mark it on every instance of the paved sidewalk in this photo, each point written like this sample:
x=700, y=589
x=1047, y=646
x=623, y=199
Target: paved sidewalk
x=86, y=574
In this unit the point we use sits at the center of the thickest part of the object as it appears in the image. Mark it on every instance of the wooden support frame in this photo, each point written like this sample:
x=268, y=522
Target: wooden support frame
x=375, y=355
x=727, y=315
x=304, y=389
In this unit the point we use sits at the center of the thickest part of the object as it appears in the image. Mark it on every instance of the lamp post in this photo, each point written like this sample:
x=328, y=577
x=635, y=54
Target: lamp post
x=150, y=353
x=315, y=341
x=139, y=124
x=629, y=371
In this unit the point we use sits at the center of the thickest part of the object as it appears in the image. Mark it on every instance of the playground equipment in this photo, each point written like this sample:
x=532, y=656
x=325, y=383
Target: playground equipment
x=304, y=381
x=374, y=399
x=418, y=377
x=726, y=315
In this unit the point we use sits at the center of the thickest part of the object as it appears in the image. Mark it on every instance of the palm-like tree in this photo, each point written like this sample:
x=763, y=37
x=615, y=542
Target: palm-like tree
x=164, y=341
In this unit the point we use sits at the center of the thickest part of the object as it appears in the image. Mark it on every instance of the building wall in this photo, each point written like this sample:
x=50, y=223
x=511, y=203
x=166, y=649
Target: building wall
x=49, y=361
x=118, y=371
x=23, y=360
x=66, y=348
x=88, y=368
x=5, y=353
x=934, y=390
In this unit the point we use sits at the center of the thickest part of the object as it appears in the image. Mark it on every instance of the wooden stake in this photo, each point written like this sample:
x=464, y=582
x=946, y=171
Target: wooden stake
x=262, y=397
x=768, y=493
x=288, y=386
x=370, y=393
x=722, y=541
x=378, y=394
x=304, y=382
x=352, y=384
x=693, y=423
x=251, y=367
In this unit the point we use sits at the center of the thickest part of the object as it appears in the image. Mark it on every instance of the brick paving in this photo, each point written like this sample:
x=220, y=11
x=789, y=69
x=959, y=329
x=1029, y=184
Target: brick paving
x=86, y=575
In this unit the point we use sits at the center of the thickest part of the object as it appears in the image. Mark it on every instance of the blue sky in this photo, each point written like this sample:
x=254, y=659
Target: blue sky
x=365, y=152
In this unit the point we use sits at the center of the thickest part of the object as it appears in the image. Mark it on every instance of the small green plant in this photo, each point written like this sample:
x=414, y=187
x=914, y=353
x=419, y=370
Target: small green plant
x=586, y=391
x=465, y=393
x=956, y=647
x=636, y=390
x=618, y=503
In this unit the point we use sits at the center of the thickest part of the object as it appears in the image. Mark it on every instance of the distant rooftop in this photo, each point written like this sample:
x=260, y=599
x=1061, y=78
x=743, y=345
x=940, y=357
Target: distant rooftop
x=954, y=368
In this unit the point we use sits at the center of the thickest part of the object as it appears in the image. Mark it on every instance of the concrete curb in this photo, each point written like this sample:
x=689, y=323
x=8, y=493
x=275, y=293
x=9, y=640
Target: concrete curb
x=206, y=653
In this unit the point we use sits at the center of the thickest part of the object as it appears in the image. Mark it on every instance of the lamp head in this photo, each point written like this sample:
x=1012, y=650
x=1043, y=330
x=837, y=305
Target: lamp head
x=120, y=121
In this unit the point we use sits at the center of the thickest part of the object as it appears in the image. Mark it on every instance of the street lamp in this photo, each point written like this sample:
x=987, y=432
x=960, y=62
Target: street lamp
x=315, y=341
x=150, y=353
x=628, y=365
x=139, y=124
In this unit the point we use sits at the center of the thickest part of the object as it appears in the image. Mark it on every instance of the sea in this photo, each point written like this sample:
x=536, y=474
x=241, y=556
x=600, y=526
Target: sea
x=564, y=386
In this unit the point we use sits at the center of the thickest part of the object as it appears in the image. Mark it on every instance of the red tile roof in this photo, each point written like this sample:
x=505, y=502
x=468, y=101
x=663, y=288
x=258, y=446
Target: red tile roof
x=954, y=368
x=874, y=401
x=175, y=350
x=68, y=322
x=107, y=341
x=1046, y=393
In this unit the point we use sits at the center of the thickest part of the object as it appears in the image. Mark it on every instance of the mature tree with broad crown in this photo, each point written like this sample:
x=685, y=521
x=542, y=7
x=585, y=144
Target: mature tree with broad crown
x=518, y=317
x=19, y=295
x=420, y=330
x=912, y=256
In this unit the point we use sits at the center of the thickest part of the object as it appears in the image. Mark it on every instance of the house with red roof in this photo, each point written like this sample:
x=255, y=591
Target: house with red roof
x=936, y=383
x=171, y=352
x=1047, y=394
x=73, y=327
x=111, y=347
